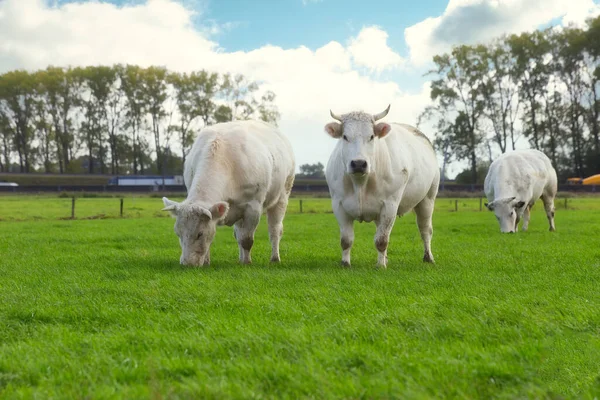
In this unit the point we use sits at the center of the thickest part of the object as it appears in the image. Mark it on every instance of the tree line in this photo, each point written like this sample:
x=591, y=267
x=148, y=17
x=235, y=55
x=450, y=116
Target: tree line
x=121, y=119
x=542, y=85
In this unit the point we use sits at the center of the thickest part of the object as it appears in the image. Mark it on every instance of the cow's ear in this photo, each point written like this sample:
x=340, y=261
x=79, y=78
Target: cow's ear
x=382, y=129
x=520, y=204
x=490, y=206
x=170, y=206
x=219, y=210
x=334, y=129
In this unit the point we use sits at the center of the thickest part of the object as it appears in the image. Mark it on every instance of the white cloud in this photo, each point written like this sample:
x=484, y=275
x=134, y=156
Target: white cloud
x=369, y=49
x=471, y=21
x=160, y=32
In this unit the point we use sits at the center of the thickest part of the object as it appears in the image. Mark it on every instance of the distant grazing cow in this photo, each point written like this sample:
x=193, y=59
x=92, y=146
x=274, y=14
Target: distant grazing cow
x=514, y=182
x=233, y=172
x=378, y=171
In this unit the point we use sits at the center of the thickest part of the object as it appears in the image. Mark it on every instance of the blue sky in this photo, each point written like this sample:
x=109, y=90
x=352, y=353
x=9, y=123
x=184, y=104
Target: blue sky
x=294, y=23
x=291, y=23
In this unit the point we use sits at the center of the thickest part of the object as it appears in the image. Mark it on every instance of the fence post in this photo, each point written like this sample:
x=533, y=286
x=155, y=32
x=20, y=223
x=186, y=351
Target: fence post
x=565, y=203
x=300, y=206
x=481, y=204
x=121, y=208
x=455, y=205
x=73, y=207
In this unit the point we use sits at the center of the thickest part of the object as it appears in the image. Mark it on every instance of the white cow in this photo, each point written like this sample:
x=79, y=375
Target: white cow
x=233, y=172
x=376, y=172
x=514, y=182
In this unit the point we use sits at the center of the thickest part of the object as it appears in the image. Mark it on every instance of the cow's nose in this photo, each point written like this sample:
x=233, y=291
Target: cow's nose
x=358, y=165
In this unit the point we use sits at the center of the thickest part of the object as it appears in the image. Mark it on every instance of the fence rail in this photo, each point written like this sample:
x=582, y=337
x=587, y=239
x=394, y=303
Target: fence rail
x=19, y=208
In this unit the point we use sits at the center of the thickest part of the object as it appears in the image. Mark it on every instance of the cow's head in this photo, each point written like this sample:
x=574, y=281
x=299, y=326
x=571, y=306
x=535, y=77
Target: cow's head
x=508, y=212
x=196, y=227
x=358, y=132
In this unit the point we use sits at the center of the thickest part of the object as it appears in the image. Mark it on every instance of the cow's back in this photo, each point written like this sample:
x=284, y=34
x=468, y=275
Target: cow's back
x=412, y=158
x=250, y=156
x=522, y=173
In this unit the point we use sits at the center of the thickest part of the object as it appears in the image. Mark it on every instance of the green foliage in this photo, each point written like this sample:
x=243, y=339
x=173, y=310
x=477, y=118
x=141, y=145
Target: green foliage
x=101, y=308
x=114, y=118
x=312, y=171
x=458, y=91
x=465, y=176
x=544, y=85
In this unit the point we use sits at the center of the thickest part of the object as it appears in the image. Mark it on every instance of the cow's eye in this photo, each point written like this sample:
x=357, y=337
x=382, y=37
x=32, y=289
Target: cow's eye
x=345, y=138
x=199, y=236
x=372, y=137
x=511, y=213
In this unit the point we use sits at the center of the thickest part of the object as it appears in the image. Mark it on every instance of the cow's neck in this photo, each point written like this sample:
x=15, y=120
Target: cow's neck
x=209, y=186
x=362, y=187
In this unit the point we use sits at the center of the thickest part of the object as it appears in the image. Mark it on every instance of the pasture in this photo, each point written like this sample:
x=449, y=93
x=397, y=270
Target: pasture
x=99, y=307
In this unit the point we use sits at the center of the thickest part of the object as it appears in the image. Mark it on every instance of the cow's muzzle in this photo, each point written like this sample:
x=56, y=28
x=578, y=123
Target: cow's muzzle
x=358, y=166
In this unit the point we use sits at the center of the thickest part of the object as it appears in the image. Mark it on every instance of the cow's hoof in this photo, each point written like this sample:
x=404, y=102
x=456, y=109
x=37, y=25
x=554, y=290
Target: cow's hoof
x=275, y=259
x=345, y=264
x=428, y=258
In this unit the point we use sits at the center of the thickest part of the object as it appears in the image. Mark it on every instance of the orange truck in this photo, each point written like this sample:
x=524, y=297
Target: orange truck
x=590, y=180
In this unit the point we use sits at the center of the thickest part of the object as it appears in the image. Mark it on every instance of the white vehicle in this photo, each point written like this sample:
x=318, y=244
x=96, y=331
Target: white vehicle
x=8, y=184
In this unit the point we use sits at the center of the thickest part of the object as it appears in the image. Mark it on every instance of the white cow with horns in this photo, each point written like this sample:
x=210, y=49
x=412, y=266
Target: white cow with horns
x=233, y=172
x=514, y=182
x=376, y=172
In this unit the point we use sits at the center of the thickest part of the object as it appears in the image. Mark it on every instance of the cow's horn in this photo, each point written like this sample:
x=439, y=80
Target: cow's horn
x=334, y=116
x=382, y=114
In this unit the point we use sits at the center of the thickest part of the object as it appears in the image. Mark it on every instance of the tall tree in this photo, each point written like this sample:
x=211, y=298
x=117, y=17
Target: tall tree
x=458, y=91
x=5, y=142
x=591, y=70
x=114, y=120
x=63, y=91
x=194, y=96
x=266, y=108
x=43, y=123
x=570, y=43
x=530, y=51
x=238, y=93
x=154, y=92
x=135, y=108
x=17, y=102
x=500, y=93
x=100, y=83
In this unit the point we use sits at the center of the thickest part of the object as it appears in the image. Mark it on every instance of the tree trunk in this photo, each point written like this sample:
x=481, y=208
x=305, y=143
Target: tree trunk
x=534, y=126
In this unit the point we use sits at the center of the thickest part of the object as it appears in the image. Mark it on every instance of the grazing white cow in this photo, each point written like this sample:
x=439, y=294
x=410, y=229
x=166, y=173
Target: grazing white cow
x=233, y=172
x=376, y=172
x=514, y=182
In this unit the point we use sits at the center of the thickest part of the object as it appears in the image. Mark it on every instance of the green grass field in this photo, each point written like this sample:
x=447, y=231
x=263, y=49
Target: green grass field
x=101, y=308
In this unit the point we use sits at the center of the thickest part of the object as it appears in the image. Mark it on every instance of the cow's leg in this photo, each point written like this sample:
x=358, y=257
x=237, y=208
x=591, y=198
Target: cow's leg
x=549, y=207
x=385, y=223
x=275, y=220
x=346, y=224
x=244, y=232
x=424, y=211
x=526, y=216
x=207, y=257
